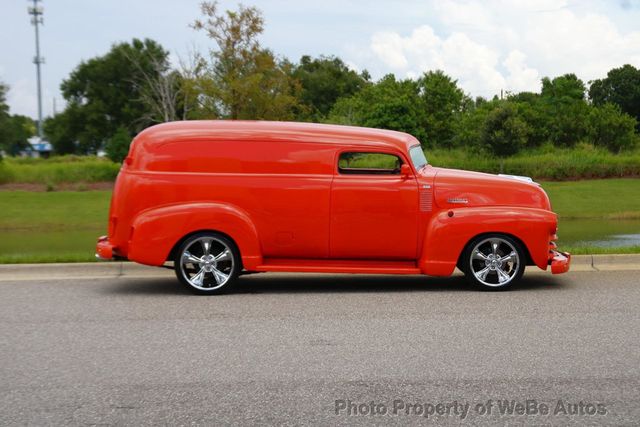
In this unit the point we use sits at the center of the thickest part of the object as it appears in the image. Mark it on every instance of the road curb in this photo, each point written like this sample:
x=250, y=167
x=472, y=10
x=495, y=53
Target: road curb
x=81, y=270
x=84, y=270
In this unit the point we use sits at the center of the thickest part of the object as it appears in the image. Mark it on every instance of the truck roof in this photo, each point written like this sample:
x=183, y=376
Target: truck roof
x=276, y=131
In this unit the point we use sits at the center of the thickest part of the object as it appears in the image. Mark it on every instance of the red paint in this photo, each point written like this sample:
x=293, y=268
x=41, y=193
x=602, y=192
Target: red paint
x=276, y=190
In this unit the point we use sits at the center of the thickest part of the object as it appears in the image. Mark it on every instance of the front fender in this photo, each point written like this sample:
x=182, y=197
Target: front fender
x=449, y=232
x=155, y=232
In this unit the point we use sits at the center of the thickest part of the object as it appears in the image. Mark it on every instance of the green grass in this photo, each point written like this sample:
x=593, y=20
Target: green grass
x=581, y=162
x=608, y=198
x=51, y=226
x=57, y=170
x=63, y=226
x=598, y=250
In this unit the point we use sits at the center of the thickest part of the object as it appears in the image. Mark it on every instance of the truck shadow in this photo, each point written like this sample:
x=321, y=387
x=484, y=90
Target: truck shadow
x=316, y=283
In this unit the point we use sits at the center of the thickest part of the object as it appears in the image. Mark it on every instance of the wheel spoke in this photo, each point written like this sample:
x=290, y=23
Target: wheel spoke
x=223, y=256
x=502, y=275
x=510, y=257
x=479, y=255
x=482, y=274
x=206, y=246
x=219, y=276
x=494, y=246
x=198, y=279
x=188, y=257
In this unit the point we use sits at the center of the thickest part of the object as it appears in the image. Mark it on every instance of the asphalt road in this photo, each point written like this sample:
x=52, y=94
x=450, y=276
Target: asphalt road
x=292, y=349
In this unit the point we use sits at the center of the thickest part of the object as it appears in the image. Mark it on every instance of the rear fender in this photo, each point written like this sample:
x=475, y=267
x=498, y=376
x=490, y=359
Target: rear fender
x=156, y=231
x=449, y=232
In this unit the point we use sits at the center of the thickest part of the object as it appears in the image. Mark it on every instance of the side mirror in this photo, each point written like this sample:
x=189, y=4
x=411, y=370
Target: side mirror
x=405, y=171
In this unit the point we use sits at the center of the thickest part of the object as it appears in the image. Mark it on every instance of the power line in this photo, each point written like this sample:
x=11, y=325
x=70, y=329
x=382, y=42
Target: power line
x=36, y=13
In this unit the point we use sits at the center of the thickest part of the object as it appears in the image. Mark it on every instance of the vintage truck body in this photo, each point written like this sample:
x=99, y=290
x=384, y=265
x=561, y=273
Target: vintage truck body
x=295, y=197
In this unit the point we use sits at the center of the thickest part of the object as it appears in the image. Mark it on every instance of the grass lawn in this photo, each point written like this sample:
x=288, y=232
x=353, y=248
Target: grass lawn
x=606, y=198
x=63, y=226
x=51, y=226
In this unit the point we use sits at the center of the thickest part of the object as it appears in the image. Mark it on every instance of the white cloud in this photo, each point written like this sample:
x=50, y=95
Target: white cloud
x=500, y=44
x=520, y=77
x=472, y=63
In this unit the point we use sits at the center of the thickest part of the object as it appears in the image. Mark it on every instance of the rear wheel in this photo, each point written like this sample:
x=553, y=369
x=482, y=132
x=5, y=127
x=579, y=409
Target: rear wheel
x=207, y=263
x=493, y=262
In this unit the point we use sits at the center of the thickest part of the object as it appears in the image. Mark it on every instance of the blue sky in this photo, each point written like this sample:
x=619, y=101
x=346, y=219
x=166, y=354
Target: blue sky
x=487, y=45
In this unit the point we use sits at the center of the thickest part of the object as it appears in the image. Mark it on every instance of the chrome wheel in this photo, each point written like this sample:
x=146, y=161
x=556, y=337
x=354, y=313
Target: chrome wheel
x=206, y=262
x=494, y=262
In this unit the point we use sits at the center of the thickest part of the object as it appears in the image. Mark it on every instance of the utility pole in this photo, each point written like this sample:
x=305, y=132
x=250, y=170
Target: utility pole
x=36, y=19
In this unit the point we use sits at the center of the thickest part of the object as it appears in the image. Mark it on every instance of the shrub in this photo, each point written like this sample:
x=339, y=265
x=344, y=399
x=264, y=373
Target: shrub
x=611, y=128
x=504, y=133
x=117, y=146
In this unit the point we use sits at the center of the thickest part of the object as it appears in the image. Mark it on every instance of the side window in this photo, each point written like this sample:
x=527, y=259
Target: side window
x=363, y=163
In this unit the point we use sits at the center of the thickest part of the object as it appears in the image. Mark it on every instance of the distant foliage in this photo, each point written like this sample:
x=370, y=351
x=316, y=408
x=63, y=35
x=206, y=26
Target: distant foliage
x=622, y=88
x=389, y=104
x=112, y=97
x=15, y=130
x=324, y=80
x=504, y=133
x=103, y=95
x=117, y=146
x=442, y=102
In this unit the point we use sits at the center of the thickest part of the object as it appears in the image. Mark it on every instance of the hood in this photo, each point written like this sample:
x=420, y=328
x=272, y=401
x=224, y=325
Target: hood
x=457, y=188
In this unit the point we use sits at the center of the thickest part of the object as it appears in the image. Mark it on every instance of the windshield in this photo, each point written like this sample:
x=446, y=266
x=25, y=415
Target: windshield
x=417, y=157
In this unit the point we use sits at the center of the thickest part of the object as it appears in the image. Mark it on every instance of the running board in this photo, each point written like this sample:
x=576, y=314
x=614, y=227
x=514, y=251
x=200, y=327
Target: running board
x=357, y=266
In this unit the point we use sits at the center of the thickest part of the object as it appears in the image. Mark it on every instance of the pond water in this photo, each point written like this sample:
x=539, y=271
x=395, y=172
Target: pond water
x=606, y=233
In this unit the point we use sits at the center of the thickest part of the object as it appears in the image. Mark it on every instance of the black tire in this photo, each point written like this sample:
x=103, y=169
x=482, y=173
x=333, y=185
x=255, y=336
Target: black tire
x=493, y=268
x=208, y=270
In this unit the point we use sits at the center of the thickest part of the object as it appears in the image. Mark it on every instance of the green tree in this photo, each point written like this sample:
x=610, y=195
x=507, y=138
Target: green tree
x=443, y=102
x=64, y=129
x=15, y=130
x=612, y=128
x=388, y=104
x=242, y=80
x=324, y=80
x=504, y=133
x=5, y=132
x=117, y=147
x=620, y=87
x=104, y=94
x=566, y=109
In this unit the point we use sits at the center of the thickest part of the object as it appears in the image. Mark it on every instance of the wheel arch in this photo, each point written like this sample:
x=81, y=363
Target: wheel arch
x=157, y=232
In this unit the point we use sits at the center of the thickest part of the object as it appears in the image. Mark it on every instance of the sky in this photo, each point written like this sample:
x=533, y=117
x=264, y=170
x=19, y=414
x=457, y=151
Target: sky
x=487, y=45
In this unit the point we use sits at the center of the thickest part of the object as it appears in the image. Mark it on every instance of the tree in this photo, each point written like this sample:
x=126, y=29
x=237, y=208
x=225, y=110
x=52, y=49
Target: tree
x=504, y=133
x=566, y=109
x=242, y=80
x=324, y=80
x=104, y=94
x=388, y=104
x=64, y=129
x=611, y=128
x=620, y=87
x=15, y=130
x=117, y=147
x=5, y=133
x=531, y=109
x=443, y=101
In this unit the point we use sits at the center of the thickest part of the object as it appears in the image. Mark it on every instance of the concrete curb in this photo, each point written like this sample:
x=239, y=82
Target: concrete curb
x=99, y=270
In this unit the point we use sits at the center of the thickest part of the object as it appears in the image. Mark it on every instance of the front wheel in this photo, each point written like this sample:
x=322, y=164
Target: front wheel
x=207, y=263
x=493, y=262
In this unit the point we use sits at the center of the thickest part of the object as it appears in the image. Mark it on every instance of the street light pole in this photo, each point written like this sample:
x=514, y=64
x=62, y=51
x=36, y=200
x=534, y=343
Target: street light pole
x=36, y=19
